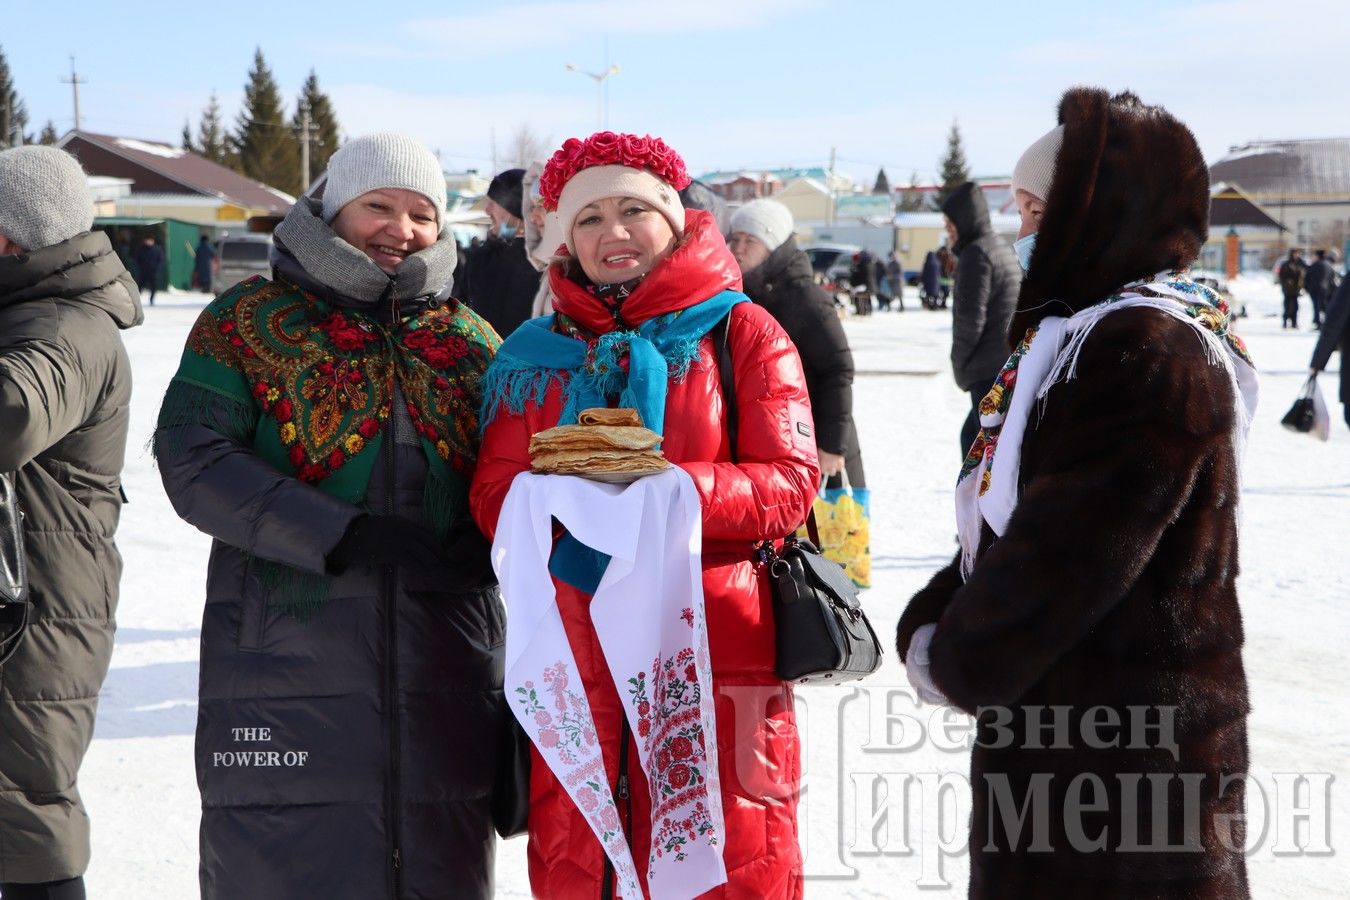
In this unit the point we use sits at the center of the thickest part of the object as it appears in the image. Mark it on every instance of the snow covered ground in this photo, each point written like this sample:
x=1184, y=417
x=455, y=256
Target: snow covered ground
x=138, y=778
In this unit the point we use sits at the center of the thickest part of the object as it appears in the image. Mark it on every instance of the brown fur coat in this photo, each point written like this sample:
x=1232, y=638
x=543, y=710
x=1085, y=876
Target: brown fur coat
x=1114, y=583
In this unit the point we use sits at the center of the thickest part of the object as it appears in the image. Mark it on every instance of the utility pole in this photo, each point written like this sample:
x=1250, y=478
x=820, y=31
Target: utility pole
x=306, y=130
x=829, y=185
x=75, y=81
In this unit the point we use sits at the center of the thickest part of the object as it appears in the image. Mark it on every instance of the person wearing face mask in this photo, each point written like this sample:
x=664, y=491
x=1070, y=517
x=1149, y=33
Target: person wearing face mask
x=983, y=296
x=638, y=291
x=1098, y=524
x=323, y=428
x=500, y=280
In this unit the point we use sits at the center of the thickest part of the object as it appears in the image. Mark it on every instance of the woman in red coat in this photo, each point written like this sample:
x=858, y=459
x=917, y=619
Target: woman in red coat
x=638, y=264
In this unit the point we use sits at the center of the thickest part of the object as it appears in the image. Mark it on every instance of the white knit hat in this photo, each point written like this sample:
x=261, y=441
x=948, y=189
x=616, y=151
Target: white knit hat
x=44, y=197
x=1035, y=171
x=599, y=182
x=768, y=221
x=383, y=160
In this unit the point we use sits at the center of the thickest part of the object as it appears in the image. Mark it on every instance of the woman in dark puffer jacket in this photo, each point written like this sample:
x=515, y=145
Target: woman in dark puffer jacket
x=323, y=428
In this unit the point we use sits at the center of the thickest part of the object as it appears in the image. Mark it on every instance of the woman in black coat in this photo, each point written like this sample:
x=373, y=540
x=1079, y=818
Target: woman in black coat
x=1336, y=335
x=777, y=276
x=322, y=428
x=1091, y=622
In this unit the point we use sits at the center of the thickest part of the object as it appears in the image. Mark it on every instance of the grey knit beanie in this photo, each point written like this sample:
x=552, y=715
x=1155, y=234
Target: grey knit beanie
x=767, y=220
x=1035, y=170
x=44, y=197
x=383, y=160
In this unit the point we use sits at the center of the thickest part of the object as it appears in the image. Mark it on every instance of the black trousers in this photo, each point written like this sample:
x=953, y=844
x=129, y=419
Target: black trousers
x=70, y=889
x=1290, y=310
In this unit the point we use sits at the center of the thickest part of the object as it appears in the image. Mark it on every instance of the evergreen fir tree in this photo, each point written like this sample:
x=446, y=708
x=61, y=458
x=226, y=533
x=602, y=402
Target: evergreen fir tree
x=49, y=135
x=212, y=141
x=952, y=169
x=325, y=133
x=186, y=140
x=268, y=151
x=912, y=200
x=882, y=186
x=13, y=114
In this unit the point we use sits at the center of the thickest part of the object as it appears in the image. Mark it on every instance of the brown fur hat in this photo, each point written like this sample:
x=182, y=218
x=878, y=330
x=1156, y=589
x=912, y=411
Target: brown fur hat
x=1130, y=198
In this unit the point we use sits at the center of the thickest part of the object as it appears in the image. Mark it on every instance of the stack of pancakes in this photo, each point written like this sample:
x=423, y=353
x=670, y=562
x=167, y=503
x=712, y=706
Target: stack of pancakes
x=603, y=442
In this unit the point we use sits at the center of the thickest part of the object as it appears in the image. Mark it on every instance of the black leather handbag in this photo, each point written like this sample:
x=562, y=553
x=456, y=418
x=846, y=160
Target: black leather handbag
x=13, y=571
x=822, y=634
x=1303, y=413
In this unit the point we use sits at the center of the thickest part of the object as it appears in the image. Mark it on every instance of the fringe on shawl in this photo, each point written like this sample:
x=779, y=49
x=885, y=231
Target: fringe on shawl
x=512, y=383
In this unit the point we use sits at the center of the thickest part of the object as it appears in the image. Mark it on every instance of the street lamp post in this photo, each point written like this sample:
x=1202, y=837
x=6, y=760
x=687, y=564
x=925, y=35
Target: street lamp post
x=601, y=112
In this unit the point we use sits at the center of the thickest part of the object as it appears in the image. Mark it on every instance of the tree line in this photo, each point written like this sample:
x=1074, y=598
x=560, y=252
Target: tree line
x=264, y=143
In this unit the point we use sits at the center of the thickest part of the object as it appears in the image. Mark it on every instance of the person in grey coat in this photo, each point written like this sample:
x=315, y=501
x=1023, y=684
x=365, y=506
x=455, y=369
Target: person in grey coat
x=65, y=388
x=323, y=429
x=983, y=298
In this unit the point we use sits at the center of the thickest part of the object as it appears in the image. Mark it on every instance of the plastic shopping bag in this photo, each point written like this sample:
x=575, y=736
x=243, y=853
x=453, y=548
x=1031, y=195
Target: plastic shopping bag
x=843, y=516
x=1309, y=413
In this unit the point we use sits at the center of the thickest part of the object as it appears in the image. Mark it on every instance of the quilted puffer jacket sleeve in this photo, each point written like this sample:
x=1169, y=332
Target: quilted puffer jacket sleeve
x=768, y=491
x=218, y=484
x=503, y=455
x=44, y=395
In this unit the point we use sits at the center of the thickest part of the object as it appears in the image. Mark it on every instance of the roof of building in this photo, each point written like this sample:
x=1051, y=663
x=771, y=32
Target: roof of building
x=1229, y=206
x=167, y=163
x=784, y=175
x=1307, y=170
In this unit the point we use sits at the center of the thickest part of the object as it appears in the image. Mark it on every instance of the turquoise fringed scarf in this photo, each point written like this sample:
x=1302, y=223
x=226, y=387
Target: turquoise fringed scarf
x=659, y=350
x=535, y=356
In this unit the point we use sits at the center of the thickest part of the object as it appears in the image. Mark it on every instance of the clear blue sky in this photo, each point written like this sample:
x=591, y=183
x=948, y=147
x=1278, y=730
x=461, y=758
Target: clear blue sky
x=729, y=83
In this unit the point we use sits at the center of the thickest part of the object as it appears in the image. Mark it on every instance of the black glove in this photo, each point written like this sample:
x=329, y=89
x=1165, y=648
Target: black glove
x=470, y=556
x=387, y=541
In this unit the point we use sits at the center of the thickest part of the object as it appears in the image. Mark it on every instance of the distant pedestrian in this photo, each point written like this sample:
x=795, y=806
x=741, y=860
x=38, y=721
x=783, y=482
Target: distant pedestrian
x=1336, y=336
x=1320, y=281
x=862, y=279
x=500, y=282
x=1291, y=274
x=985, y=294
x=202, y=268
x=930, y=280
x=149, y=263
x=65, y=390
x=895, y=283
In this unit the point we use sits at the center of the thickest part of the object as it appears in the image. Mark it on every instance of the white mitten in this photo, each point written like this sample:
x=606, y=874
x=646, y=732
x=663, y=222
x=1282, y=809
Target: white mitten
x=916, y=666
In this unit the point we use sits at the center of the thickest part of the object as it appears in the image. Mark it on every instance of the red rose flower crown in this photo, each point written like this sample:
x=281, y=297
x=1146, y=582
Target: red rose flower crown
x=605, y=148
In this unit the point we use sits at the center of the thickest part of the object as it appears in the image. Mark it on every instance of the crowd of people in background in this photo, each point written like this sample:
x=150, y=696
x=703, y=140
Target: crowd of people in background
x=348, y=432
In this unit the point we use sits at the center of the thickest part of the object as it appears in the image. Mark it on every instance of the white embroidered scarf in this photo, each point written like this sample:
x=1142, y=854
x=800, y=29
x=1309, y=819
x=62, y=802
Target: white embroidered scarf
x=649, y=619
x=987, y=490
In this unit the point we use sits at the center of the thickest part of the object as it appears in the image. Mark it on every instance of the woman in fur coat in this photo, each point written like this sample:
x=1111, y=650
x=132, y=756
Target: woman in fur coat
x=1091, y=620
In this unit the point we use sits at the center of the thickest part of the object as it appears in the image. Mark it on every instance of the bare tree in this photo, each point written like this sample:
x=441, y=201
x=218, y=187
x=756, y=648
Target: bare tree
x=526, y=147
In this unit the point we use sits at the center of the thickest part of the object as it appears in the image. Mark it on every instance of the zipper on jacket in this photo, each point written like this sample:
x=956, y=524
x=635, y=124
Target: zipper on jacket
x=390, y=579
x=621, y=792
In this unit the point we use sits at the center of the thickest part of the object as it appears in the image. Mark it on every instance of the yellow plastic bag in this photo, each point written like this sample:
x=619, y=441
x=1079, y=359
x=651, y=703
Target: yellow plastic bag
x=843, y=517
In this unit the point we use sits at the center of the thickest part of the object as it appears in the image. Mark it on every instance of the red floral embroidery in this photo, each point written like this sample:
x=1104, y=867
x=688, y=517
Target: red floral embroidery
x=606, y=148
x=666, y=700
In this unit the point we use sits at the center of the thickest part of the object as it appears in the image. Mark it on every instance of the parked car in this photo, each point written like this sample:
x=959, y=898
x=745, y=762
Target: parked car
x=830, y=264
x=238, y=257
